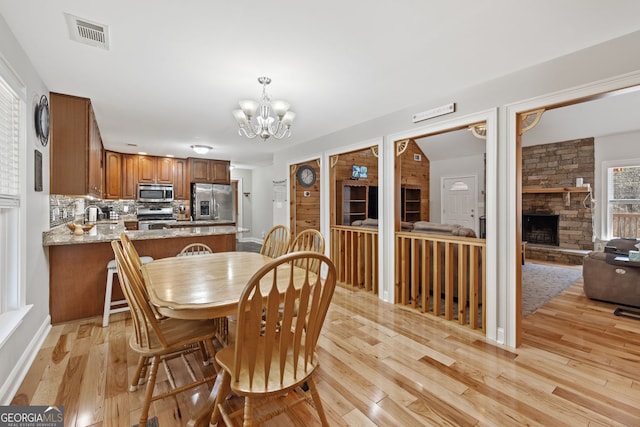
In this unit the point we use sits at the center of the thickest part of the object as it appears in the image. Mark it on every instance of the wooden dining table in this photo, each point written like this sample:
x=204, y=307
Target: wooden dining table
x=205, y=287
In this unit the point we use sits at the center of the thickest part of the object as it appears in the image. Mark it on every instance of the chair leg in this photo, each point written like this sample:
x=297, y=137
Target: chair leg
x=155, y=361
x=248, y=412
x=316, y=401
x=139, y=375
x=223, y=392
x=107, y=298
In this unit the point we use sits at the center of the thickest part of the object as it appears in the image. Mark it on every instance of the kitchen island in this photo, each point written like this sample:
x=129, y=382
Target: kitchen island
x=78, y=264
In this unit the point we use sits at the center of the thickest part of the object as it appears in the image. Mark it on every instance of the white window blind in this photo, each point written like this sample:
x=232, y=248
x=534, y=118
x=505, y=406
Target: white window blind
x=9, y=146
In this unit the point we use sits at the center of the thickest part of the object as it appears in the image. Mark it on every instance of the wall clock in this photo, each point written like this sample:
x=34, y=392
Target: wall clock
x=306, y=176
x=42, y=120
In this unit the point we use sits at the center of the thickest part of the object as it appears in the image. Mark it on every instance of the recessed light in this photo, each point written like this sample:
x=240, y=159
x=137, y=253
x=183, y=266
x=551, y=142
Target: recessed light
x=169, y=155
x=142, y=153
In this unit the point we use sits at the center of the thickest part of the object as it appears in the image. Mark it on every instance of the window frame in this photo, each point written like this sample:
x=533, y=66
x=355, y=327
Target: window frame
x=13, y=306
x=608, y=192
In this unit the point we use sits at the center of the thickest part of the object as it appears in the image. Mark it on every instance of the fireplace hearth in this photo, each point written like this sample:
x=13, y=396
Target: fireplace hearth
x=541, y=229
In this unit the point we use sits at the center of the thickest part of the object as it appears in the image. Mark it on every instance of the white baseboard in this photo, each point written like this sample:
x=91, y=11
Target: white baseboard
x=19, y=372
x=250, y=240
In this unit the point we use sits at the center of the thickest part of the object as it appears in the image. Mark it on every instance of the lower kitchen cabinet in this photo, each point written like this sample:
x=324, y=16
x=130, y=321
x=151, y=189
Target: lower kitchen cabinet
x=78, y=272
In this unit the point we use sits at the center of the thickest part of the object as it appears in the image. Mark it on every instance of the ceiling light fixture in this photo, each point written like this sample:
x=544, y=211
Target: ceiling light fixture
x=201, y=149
x=273, y=119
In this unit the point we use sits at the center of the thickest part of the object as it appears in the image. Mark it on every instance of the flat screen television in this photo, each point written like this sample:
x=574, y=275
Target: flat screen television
x=358, y=172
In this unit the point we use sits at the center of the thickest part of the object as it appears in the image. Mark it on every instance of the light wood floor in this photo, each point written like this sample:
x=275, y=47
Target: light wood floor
x=579, y=365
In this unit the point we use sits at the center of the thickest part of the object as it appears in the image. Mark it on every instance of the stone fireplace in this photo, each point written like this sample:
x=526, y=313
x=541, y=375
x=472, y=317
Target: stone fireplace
x=549, y=173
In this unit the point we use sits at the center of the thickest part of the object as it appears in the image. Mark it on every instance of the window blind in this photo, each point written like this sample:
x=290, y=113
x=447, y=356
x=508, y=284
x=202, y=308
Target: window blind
x=9, y=146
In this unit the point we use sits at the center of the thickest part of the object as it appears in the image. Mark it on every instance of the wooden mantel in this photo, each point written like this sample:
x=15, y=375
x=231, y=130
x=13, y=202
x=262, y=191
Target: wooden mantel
x=566, y=191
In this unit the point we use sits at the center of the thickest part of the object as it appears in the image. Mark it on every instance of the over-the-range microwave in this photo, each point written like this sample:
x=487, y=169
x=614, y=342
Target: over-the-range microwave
x=155, y=193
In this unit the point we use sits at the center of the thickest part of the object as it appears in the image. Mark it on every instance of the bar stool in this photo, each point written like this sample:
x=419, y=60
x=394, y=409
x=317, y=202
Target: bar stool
x=112, y=307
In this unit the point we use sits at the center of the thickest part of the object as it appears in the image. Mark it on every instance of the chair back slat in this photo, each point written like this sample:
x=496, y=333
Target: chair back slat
x=276, y=242
x=308, y=240
x=195, y=249
x=280, y=315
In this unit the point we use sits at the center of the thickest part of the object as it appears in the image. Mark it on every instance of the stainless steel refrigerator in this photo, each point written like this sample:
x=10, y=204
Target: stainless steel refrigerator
x=212, y=202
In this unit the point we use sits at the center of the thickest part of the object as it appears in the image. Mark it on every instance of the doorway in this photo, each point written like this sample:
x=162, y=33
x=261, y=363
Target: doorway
x=589, y=109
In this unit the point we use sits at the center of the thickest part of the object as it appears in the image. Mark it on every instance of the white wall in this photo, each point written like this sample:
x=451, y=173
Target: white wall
x=244, y=202
x=262, y=195
x=621, y=147
x=25, y=341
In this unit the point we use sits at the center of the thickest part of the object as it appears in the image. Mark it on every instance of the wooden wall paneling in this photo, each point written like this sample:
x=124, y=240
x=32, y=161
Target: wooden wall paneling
x=304, y=210
x=416, y=173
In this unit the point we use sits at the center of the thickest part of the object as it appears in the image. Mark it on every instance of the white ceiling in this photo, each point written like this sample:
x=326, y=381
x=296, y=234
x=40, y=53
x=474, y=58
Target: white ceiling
x=175, y=70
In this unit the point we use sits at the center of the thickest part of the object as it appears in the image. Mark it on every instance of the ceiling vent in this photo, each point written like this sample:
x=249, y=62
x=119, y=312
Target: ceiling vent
x=88, y=32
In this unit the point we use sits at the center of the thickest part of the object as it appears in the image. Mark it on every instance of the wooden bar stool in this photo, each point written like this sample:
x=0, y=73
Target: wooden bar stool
x=112, y=307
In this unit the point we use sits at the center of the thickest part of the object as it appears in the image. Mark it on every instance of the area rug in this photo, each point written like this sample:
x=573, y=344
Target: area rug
x=542, y=282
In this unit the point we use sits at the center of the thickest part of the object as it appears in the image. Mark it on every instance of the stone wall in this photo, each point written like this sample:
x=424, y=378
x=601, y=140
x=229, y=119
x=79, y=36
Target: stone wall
x=558, y=165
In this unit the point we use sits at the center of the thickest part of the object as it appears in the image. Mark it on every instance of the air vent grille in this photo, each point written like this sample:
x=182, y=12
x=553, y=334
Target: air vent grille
x=88, y=32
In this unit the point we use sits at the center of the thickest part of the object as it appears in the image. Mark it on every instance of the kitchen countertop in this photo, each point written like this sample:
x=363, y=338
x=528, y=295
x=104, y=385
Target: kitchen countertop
x=106, y=232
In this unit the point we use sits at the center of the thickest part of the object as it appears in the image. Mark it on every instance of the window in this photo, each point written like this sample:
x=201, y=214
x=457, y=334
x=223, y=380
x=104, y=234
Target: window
x=12, y=123
x=623, y=200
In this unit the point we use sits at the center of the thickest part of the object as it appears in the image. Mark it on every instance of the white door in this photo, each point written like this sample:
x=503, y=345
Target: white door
x=460, y=201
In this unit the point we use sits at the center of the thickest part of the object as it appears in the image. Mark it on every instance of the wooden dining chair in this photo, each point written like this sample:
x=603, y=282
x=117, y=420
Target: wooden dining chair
x=275, y=351
x=195, y=249
x=277, y=241
x=221, y=324
x=159, y=341
x=308, y=240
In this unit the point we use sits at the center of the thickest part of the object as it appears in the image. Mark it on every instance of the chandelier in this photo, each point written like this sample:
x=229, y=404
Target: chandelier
x=273, y=118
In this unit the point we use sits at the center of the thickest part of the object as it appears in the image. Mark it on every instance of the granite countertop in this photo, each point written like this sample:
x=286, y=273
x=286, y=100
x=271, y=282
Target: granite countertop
x=106, y=232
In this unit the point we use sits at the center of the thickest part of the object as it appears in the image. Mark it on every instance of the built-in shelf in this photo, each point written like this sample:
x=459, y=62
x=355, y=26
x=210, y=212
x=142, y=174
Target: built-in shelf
x=566, y=191
x=534, y=190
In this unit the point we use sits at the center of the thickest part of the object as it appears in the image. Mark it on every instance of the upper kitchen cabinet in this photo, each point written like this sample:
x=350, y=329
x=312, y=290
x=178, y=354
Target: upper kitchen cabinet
x=181, y=179
x=210, y=171
x=76, y=147
x=130, y=176
x=113, y=175
x=155, y=170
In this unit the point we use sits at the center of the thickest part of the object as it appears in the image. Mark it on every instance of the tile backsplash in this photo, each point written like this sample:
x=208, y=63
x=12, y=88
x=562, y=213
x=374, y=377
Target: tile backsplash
x=64, y=209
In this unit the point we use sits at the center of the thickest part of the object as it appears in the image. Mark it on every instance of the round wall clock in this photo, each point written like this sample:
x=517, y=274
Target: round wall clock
x=306, y=176
x=42, y=120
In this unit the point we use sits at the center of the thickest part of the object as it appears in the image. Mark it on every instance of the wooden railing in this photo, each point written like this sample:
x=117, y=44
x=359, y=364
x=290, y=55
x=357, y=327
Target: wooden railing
x=354, y=252
x=626, y=225
x=436, y=272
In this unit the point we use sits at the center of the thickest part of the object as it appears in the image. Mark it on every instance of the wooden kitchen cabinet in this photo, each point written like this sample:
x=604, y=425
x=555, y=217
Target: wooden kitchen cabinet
x=76, y=147
x=220, y=172
x=113, y=175
x=210, y=171
x=155, y=170
x=181, y=182
x=147, y=169
x=130, y=176
x=164, y=170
